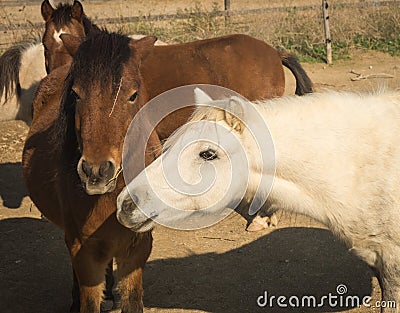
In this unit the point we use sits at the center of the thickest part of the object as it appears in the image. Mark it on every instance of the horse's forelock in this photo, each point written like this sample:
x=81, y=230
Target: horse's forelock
x=207, y=113
x=201, y=113
x=100, y=59
x=61, y=15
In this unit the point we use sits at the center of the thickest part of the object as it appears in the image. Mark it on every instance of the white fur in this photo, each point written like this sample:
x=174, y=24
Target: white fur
x=57, y=35
x=157, y=43
x=32, y=70
x=337, y=161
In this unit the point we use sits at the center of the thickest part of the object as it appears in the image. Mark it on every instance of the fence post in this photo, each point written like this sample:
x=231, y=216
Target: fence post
x=328, y=40
x=227, y=9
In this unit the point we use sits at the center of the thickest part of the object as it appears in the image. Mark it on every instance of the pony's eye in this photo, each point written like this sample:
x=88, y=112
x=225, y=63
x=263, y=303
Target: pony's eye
x=74, y=94
x=208, y=155
x=133, y=97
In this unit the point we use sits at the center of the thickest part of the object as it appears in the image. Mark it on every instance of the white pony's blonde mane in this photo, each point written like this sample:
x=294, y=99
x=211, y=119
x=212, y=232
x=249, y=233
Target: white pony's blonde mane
x=210, y=113
x=287, y=103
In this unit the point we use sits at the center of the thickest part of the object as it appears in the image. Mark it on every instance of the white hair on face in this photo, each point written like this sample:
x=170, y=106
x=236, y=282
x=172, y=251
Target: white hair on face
x=55, y=3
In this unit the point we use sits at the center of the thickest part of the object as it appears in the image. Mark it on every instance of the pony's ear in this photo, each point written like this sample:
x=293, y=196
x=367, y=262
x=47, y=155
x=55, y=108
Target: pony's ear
x=77, y=10
x=142, y=47
x=201, y=97
x=234, y=113
x=47, y=10
x=71, y=42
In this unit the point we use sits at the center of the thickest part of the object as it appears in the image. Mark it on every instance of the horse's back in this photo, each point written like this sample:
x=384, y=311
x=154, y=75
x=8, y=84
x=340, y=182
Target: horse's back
x=38, y=161
x=239, y=62
x=350, y=144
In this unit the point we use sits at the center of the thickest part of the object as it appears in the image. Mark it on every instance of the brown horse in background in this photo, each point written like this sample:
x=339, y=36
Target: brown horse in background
x=64, y=19
x=72, y=156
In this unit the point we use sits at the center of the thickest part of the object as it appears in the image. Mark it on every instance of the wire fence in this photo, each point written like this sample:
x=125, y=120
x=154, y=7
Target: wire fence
x=226, y=12
x=231, y=10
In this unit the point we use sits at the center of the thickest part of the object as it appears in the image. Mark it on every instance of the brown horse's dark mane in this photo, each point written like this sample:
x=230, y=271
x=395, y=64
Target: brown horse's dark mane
x=62, y=15
x=99, y=59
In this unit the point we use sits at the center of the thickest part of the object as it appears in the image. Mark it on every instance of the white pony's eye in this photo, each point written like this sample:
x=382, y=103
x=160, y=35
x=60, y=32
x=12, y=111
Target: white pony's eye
x=208, y=155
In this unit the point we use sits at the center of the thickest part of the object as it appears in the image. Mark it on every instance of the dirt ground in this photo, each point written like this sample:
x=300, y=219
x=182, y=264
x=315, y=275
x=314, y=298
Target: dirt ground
x=220, y=269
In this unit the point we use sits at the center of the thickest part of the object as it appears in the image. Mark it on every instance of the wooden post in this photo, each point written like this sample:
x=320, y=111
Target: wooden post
x=227, y=9
x=328, y=40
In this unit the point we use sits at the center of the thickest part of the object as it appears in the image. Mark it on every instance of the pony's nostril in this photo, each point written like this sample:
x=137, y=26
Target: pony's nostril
x=127, y=205
x=87, y=168
x=106, y=169
x=135, y=199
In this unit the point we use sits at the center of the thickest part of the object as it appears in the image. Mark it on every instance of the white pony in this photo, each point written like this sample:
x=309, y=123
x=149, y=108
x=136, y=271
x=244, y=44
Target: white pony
x=21, y=69
x=337, y=160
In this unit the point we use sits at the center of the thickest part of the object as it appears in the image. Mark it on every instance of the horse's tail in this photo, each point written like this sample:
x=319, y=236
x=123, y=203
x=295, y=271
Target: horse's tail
x=303, y=82
x=10, y=64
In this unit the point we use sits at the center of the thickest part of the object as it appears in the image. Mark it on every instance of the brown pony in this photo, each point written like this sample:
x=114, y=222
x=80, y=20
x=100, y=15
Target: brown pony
x=72, y=155
x=51, y=152
x=71, y=19
x=66, y=18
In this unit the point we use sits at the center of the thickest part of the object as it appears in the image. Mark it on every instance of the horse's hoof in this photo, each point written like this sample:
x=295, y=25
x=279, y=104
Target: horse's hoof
x=273, y=220
x=260, y=223
x=254, y=226
x=106, y=305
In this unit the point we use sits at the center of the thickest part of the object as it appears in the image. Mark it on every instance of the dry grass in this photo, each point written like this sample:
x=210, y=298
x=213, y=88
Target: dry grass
x=301, y=32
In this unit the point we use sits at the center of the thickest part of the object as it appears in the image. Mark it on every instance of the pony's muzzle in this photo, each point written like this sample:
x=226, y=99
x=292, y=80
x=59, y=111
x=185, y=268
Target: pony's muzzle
x=97, y=178
x=129, y=215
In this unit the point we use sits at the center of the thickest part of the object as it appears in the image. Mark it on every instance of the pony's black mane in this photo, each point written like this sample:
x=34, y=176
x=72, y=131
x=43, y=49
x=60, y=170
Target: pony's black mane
x=62, y=16
x=10, y=65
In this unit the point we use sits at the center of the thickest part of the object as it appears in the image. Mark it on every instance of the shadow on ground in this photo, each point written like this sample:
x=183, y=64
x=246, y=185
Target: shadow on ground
x=35, y=272
x=12, y=188
x=289, y=261
x=34, y=266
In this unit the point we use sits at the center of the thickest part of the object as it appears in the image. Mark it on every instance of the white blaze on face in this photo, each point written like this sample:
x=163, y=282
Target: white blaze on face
x=57, y=34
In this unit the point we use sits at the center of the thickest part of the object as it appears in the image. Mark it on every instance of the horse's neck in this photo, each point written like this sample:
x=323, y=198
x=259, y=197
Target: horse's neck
x=321, y=146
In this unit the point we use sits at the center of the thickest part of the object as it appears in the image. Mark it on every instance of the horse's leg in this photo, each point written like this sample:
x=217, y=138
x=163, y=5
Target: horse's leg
x=265, y=218
x=390, y=287
x=108, y=291
x=130, y=269
x=386, y=266
x=90, y=270
x=91, y=277
x=76, y=303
